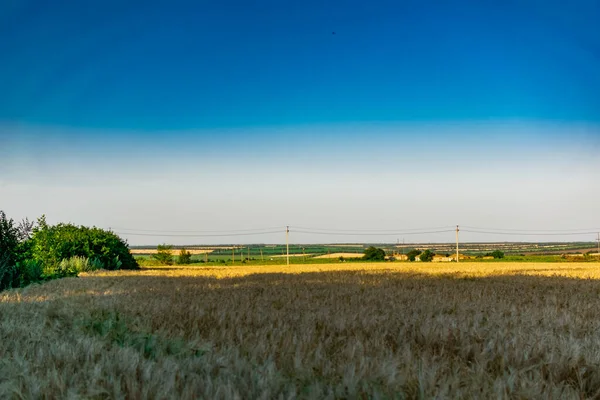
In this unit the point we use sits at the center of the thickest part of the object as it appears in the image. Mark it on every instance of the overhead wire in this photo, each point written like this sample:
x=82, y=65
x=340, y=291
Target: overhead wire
x=529, y=230
x=198, y=235
x=198, y=231
x=390, y=233
x=355, y=232
x=504, y=233
x=372, y=230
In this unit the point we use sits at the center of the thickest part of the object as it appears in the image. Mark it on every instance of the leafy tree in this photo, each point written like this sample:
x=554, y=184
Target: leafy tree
x=427, y=256
x=412, y=255
x=9, y=253
x=164, y=254
x=185, y=257
x=497, y=254
x=52, y=244
x=374, y=254
x=9, y=239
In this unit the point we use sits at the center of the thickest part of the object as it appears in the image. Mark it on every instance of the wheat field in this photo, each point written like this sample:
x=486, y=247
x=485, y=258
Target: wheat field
x=340, y=330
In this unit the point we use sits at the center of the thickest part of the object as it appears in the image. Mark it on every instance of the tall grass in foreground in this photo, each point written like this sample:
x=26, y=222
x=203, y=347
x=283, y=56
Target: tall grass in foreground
x=316, y=331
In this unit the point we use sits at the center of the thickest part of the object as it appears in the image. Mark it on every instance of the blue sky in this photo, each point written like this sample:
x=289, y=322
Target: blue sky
x=221, y=102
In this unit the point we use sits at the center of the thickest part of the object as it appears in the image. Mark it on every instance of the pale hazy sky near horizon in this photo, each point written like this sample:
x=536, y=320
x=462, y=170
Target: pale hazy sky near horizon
x=226, y=116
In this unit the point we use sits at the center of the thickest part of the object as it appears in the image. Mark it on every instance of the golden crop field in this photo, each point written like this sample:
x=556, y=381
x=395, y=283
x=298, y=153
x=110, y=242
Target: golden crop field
x=340, y=330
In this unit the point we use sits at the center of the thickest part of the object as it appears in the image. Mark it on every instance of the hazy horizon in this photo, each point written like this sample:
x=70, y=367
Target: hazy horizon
x=230, y=117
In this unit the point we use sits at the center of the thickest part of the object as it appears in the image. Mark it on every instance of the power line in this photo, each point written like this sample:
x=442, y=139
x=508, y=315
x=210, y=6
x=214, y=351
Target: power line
x=383, y=231
x=356, y=232
x=369, y=234
x=530, y=230
x=199, y=231
x=197, y=235
x=528, y=233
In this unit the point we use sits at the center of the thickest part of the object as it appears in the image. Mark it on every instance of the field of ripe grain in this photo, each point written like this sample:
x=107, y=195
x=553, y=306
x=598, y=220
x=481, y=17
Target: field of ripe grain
x=343, y=330
x=345, y=255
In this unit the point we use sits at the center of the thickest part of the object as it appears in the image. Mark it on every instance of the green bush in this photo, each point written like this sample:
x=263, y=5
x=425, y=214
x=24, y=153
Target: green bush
x=164, y=254
x=95, y=264
x=9, y=273
x=53, y=244
x=497, y=254
x=9, y=253
x=412, y=255
x=9, y=241
x=374, y=254
x=74, y=266
x=46, y=252
x=30, y=271
x=426, y=256
x=185, y=257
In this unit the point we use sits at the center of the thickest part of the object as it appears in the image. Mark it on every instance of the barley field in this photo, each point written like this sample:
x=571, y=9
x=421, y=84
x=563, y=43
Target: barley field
x=340, y=330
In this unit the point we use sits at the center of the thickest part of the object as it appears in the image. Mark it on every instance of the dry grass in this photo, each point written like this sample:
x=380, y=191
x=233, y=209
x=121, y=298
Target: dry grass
x=497, y=330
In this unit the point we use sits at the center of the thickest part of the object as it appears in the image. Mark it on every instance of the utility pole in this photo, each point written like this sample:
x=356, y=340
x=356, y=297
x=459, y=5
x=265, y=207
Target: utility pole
x=233, y=254
x=598, y=245
x=261, y=255
x=456, y=243
x=287, y=244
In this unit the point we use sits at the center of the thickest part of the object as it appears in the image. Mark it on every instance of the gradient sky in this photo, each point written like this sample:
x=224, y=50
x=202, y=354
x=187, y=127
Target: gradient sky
x=230, y=115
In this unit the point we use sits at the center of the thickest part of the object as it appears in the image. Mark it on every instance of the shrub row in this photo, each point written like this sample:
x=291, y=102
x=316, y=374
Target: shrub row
x=33, y=253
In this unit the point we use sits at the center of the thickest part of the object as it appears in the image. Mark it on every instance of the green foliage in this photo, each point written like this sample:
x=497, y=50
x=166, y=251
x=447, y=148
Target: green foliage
x=64, y=269
x=30, y=271
x=497, y=254
x=412, y=255
x=426, y=256
x=95, y=264
x=185, y=257
x=9, y=240
x=164, y=254
x=31, y=254
x=11, y=253
x=75, y=265
x=9, y=273
x=52, y=244
x=374, y=254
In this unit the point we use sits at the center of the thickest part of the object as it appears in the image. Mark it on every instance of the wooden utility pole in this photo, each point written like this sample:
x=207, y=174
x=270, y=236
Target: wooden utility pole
x=233, y=254
x=287, y=244
x=456, y=243
x=598, y=244
x=261, y=255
